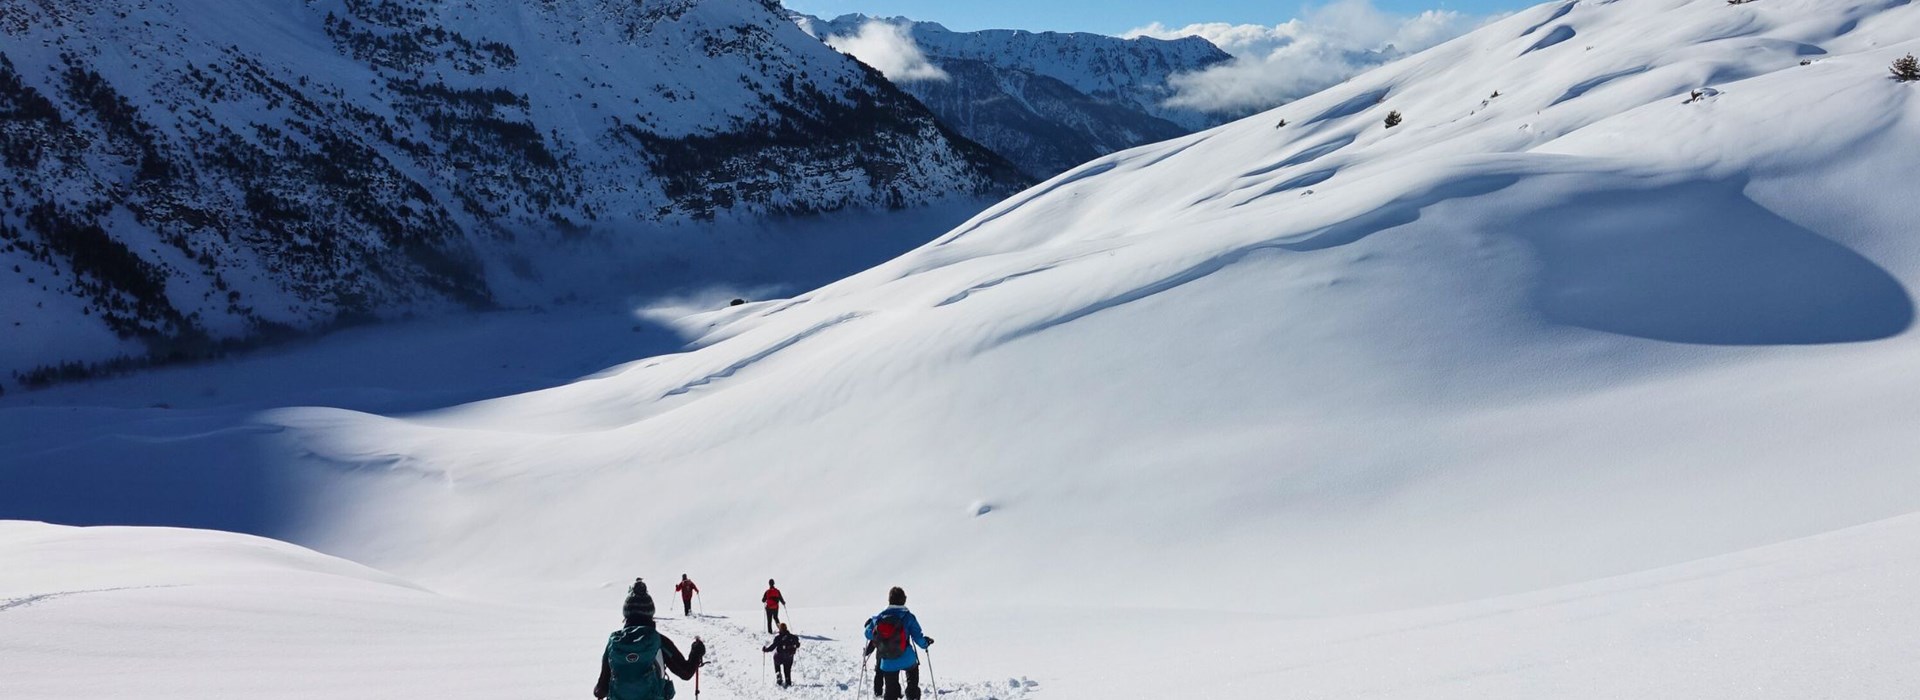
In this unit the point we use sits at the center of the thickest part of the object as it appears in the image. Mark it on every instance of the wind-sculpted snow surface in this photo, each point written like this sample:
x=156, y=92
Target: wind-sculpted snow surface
x=1518, y=340
x=195, y=615
x=1552, y=365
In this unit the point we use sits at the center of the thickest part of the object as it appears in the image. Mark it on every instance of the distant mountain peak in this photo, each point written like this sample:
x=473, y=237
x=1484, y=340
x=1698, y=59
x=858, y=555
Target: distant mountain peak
x=1046, y=100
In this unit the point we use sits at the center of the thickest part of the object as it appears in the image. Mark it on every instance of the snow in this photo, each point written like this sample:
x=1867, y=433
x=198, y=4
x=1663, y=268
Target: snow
x=595, y=85
x=1131, y=71
x=1580, y=390
x=162, y=613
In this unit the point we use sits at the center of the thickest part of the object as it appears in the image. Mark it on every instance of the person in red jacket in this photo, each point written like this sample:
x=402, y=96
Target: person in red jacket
x=774, y=600
x=686, y=589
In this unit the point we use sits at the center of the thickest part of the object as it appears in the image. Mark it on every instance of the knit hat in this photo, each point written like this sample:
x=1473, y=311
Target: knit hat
x=638, y=609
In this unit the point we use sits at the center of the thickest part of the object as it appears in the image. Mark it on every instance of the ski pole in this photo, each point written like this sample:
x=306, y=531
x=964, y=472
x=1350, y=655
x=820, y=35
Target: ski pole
x=931, y=681
x=696, y=674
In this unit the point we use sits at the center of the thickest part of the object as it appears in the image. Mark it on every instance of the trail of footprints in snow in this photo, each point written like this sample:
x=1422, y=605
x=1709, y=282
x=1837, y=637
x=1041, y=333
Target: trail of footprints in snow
x=825, y=667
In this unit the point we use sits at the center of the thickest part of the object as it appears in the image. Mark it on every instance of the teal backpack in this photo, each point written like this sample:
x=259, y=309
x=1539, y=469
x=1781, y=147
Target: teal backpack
x=633, y=654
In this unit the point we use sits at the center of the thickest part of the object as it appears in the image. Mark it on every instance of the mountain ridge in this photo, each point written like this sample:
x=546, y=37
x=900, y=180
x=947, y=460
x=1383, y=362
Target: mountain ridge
x=1045, y=100
x=181, y=178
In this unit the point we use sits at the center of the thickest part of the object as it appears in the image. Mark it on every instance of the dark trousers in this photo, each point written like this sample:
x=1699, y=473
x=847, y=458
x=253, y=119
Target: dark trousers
x=783, y=671
x=886, y=684
x=687, y=601
x=773, y=619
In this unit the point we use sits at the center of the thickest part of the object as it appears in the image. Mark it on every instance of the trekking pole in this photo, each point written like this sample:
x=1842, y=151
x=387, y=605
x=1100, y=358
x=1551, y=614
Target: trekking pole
x=859, y=686
x=931, y=681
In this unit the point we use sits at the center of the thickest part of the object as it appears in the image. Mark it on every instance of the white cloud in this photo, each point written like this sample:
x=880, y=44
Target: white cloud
x=889, y=49
x=1273, y=65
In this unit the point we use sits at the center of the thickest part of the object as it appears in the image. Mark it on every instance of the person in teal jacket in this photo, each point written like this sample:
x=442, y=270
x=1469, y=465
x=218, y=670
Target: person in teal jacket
x=892, y=636
x=638, y=658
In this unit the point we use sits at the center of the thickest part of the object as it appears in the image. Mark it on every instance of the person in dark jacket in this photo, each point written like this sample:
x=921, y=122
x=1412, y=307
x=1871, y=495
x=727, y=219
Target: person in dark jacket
x=686, y=589
x=640, y=678
x=892, y=636
x=773, y=600
x=783, y=647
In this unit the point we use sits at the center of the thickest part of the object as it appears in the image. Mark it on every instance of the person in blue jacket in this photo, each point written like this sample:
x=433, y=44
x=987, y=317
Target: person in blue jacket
x=892, y=636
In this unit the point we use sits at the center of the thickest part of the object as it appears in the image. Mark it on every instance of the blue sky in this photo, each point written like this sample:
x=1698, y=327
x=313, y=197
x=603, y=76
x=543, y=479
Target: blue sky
x=1115, y=16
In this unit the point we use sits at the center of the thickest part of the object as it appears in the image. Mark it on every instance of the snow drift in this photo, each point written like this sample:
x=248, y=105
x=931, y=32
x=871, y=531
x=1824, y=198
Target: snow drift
x=1569, y=320
x=1591, y=378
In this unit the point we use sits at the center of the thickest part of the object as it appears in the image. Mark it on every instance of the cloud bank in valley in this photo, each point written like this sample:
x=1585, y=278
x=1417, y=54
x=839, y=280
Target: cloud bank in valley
x=890, y=49
x=1274, y=65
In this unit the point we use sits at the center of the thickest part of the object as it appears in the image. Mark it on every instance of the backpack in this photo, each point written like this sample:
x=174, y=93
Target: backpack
x=786, y=645
x=890, y=635
x=633, y=655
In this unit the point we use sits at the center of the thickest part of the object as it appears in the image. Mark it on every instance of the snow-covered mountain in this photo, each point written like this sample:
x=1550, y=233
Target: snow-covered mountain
x=1593, y=377
x=1626, y=287
x=1047, y=101
x=182, y=174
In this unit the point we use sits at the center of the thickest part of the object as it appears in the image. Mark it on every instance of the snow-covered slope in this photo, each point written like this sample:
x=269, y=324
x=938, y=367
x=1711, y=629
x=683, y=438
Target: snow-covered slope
x=209, y=616
x=1601, y=387
x=1047, y=101
x=1586, y=327
x=178, y=174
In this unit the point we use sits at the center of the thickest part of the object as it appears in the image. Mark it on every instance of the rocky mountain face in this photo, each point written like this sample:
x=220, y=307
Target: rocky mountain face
x=1048, y=101
x=178, y=176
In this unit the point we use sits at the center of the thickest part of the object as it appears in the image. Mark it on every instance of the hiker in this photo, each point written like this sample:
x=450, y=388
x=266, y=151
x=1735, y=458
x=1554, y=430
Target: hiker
x=637, y=658
x=686, y=589
x=783, y=647
x=774, y=600
x=891, y=636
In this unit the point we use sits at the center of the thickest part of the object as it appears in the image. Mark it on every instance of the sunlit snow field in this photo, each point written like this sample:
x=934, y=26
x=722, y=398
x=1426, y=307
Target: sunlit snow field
x=1592, y=388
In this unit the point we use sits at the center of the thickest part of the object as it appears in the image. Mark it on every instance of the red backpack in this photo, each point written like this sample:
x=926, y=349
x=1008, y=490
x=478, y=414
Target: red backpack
x=890, y=636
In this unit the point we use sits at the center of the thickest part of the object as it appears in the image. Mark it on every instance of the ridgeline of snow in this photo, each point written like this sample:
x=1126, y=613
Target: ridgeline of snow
x=1592, y=378
x=1587, y=327
x=178, y=175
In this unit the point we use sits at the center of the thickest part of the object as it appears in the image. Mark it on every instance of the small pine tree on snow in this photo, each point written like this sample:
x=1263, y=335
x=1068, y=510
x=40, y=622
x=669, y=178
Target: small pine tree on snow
x=1282, y=123
x=1906, y=69
x=1393, y=119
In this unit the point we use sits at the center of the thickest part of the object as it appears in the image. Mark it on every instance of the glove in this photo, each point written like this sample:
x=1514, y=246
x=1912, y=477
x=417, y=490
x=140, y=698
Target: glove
x=929, y=641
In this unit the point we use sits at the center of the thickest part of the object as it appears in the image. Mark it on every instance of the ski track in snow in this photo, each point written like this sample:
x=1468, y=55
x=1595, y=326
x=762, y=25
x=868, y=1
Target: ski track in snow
x=1073, y=176
x=25, y=601
x=755, y=358
x=989, y=284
